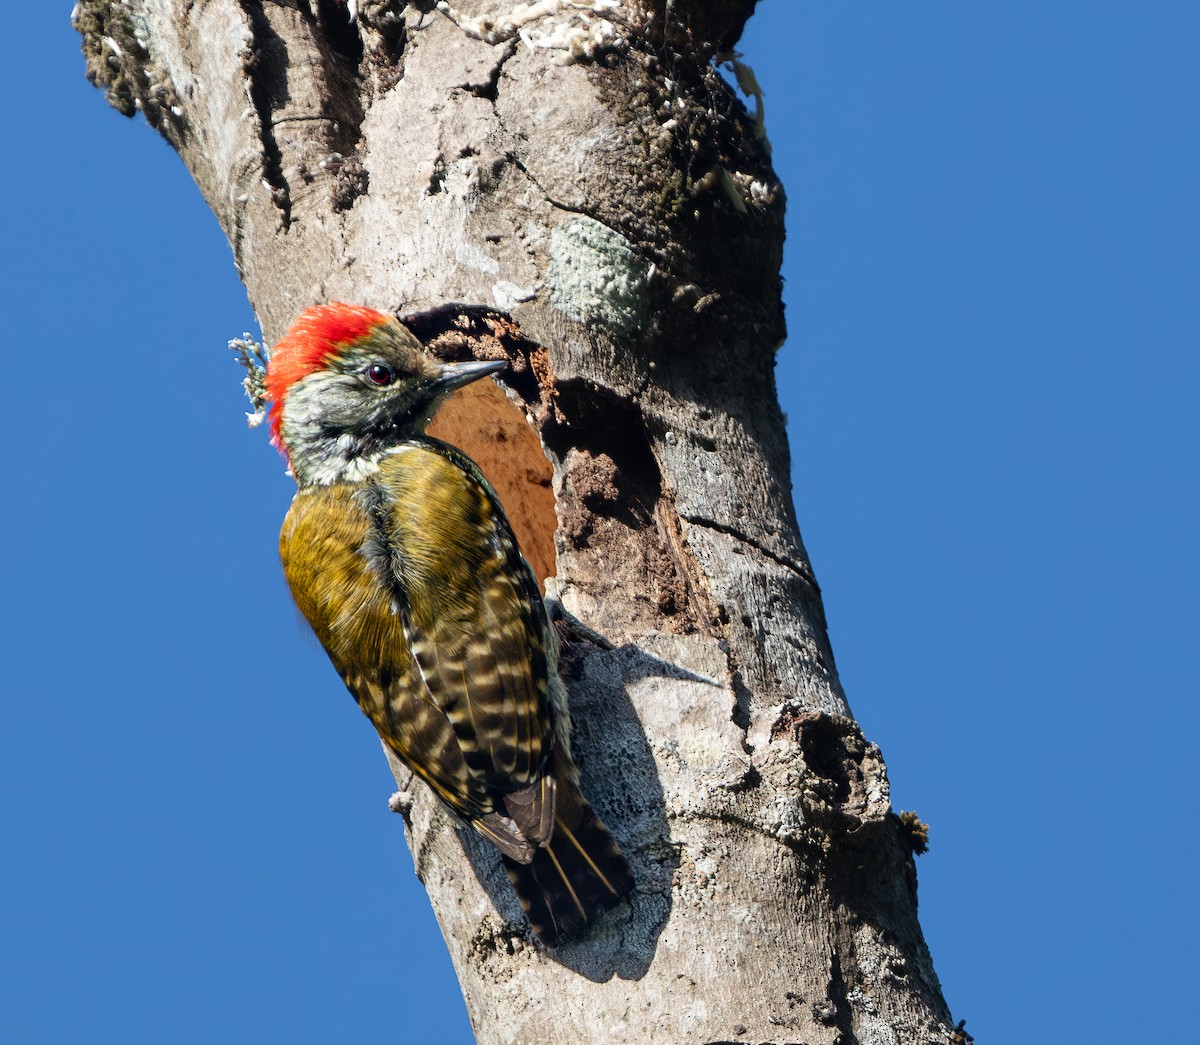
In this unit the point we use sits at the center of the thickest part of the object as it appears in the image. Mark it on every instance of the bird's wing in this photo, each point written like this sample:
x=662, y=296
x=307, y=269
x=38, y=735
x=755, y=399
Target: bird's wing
x=475, y=620
x=329, y=546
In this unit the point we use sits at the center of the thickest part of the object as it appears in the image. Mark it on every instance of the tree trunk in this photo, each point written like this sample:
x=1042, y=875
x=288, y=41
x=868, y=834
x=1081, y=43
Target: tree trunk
x=578, y=173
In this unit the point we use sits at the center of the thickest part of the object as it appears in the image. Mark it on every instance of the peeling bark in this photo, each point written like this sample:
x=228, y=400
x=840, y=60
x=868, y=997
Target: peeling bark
x=602, y=203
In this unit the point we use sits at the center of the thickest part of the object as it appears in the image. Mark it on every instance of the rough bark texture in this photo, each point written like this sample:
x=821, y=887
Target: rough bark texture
x=606, y=197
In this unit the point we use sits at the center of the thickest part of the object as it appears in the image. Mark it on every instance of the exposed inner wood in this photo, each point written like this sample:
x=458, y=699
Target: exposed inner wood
x=484, y=423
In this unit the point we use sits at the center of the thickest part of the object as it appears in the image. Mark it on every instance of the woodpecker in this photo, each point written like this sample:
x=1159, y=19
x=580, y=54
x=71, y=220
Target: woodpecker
x=399, y=555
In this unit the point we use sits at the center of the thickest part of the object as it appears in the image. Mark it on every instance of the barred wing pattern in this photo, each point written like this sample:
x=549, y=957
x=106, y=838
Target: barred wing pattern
x=414, y=584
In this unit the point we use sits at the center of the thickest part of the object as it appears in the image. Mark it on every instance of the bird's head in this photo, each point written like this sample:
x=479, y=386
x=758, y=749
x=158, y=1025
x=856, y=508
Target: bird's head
x=345, y=383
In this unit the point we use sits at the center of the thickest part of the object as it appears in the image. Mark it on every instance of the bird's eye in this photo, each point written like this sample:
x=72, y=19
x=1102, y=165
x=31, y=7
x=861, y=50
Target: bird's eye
x=380, y=374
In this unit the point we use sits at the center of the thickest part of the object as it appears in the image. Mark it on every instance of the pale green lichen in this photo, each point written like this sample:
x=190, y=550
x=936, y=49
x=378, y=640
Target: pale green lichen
x=596, y=277
x=253, y=355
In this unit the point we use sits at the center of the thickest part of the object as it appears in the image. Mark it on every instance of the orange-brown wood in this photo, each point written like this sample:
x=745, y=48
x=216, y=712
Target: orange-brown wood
x=490, y=429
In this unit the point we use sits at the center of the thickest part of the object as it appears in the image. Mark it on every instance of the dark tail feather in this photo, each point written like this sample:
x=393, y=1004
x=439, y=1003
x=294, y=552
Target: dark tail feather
x=574, y=877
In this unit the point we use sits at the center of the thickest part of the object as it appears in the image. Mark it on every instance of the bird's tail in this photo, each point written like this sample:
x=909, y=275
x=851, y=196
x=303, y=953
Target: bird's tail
x=578, y=874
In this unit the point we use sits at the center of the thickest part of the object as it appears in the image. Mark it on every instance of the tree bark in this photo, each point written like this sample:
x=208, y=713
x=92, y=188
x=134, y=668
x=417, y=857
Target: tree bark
x=579, y=175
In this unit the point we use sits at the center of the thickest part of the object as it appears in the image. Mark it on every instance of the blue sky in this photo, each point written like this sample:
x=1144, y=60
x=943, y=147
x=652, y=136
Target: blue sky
x=991, y=380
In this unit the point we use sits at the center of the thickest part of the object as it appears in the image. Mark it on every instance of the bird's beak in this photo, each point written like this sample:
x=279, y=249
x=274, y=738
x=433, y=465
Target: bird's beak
x=455, y=375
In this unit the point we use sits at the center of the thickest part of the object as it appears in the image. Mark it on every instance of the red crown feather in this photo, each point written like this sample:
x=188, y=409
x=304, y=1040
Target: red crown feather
x=315, y=335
